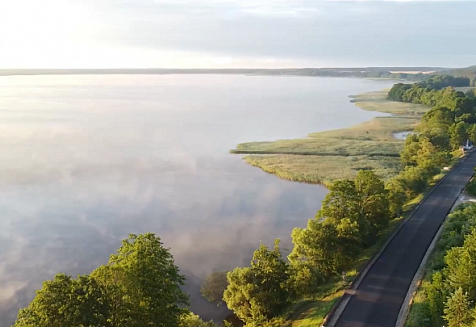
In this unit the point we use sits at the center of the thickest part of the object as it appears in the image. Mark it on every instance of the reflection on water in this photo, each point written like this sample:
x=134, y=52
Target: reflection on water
x=86, y=160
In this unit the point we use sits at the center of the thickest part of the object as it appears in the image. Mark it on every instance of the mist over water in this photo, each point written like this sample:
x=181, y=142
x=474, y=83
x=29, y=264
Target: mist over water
x=86, y=160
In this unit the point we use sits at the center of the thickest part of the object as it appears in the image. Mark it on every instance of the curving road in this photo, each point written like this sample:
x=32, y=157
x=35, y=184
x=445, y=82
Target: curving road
x=377, y=300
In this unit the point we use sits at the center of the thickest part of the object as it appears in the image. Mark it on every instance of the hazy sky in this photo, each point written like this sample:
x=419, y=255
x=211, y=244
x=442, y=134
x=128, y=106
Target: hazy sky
x=235, y=33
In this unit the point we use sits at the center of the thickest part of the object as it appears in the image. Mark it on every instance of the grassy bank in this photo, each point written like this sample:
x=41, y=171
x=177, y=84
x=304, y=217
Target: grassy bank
x=336, y=154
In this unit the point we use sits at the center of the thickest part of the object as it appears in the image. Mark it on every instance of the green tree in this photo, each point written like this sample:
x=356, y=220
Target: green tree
x=373, y=199
x=260, y=292
x=461, y=265
x=408, y=156
x=240, y=295
x=472, y=133
x=396, y=197
x=429, y=157
x=458, y=134
x=457, y=309
x=436, y=295
x=414, y=180
x=304, y=279
x=192, y=320
x=341, y=201
x=319, y=245
x=436, y=121
x=143, y=284
x=214, y=286
x=67, y=302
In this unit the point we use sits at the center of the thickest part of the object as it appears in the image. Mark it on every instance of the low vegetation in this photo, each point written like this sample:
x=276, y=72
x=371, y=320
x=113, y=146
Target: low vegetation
x=330, y=155
x=471, y=187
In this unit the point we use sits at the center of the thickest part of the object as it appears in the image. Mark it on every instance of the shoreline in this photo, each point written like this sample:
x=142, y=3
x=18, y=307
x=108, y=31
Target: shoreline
x=323, y=157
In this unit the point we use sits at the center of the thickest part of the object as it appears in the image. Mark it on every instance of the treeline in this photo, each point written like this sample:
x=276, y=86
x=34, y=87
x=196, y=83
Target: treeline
x=140, y=286
x=443, y=129
x=353, y=214
x=425, y=92
x=449, y=292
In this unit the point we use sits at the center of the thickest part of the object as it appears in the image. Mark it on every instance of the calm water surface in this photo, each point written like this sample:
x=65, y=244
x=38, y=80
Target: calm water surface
x=86, y=160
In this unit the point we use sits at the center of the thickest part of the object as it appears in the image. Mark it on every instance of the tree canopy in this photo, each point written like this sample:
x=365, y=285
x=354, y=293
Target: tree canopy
x=139, y=286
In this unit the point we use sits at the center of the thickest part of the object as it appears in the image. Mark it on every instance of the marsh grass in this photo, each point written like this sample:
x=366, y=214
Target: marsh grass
x=323, y=169
x=377, y=101
x=326, y=156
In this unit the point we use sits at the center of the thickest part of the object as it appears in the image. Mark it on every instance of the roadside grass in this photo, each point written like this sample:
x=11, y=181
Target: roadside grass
x=312, y=314
x=325, y=156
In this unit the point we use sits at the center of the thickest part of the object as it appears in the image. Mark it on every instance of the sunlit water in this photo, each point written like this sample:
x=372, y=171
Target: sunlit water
x=86, y=160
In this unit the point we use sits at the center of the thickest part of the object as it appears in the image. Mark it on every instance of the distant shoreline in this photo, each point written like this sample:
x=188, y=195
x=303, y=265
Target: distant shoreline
x=331, y=72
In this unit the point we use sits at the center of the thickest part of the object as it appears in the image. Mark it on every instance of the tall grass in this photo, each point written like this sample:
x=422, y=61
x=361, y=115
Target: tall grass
x=336, y=154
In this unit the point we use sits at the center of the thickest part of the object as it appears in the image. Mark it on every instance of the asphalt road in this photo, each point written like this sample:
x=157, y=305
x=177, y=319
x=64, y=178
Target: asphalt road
x=378, y=298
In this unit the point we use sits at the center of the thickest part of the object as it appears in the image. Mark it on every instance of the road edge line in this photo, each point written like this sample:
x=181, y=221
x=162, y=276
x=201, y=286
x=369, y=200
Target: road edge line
x=419, y=275
x=334, y=314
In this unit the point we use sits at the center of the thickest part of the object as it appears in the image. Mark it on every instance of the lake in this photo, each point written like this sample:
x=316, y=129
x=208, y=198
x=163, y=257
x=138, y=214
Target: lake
x=86, y=160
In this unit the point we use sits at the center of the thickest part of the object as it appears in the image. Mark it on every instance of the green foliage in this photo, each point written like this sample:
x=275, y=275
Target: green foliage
x=471, y=187
x=458, y=134
x=305, y=279
x=320, y=245
x=398, y=91
x=457, y=309
x=140, y=286
x=461, y=265
x=341, y=201
x=437, y=294
x=373, y=200
x=396, y=197
x=351, y=215
x=472, y=133
x=414, y=180
x=143, y=283
x=67, y=302
x=192, y=320
x=449, y=291
x=214, y=286
x=260, y=292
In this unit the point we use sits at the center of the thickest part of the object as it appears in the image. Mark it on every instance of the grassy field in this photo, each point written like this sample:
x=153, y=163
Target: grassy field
x=325, y=156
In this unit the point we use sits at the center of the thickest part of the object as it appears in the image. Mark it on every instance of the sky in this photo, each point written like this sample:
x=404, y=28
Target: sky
x=235, y=33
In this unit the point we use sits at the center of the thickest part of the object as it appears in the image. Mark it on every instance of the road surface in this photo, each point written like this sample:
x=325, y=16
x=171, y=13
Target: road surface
x=377, y=300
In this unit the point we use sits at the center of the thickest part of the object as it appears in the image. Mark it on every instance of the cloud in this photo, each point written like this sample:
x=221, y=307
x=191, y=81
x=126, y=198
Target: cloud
x=225, y=33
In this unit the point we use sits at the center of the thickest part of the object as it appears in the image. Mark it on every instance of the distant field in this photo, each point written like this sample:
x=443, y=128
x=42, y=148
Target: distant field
x=336, y=154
